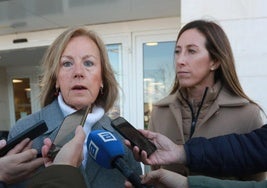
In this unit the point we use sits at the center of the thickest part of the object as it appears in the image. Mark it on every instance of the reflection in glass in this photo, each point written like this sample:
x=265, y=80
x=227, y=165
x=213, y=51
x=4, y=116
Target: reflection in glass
x=115, y=53
x=22, y=97
x=159, y=72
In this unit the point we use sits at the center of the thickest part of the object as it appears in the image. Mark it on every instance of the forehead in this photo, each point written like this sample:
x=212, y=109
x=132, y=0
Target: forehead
x=81, y=44
x=191, y=37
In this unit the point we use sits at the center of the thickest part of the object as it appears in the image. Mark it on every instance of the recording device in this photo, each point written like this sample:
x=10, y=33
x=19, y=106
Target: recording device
x=107, y=150
x=67, y=130
x=31, y=133
x=133, y=135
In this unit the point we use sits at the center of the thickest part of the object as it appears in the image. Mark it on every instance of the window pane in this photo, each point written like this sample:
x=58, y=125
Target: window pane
x=159, y=71
x=115, y=54
x=22, y=97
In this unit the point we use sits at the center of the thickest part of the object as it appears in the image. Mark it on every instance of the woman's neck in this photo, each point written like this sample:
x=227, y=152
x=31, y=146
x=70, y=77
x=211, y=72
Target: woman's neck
x=195, y=93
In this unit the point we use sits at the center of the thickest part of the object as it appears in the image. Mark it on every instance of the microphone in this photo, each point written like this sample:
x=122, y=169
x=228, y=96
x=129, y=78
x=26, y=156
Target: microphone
x=107, y=150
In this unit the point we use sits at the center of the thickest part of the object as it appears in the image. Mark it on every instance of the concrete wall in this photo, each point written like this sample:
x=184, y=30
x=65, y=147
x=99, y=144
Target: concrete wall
x=245, y=23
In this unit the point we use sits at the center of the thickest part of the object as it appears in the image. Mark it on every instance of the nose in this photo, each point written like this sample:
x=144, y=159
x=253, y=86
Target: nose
x=180, y=59
x=78, y=71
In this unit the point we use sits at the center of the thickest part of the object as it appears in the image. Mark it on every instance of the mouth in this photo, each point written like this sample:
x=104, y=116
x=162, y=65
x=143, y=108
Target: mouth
x=182, y=72
x=79, y=87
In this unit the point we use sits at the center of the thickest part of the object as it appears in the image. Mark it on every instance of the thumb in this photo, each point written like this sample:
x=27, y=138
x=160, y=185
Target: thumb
x=79, y=135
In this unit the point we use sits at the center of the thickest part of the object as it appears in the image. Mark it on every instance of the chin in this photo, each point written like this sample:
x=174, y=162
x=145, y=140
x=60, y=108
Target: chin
x=79, y=106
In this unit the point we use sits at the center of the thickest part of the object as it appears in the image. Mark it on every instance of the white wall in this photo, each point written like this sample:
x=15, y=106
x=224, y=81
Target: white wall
x=245, y=23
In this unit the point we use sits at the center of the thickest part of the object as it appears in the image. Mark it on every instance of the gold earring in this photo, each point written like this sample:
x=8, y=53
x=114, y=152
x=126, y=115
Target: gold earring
x=56, y=91
x=101, y=90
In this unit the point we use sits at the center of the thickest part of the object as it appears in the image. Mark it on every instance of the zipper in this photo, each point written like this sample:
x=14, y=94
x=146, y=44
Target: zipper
x=195, y=117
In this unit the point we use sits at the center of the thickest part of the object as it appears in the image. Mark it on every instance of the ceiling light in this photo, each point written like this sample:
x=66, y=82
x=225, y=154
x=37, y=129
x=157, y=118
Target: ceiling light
x=151, y=43
x=15, y=81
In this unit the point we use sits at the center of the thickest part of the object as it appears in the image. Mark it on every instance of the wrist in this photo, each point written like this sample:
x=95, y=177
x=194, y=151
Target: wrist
x=181, y=157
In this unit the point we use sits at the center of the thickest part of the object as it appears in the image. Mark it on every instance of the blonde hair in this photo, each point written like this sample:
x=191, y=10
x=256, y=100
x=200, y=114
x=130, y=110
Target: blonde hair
x=50, y=65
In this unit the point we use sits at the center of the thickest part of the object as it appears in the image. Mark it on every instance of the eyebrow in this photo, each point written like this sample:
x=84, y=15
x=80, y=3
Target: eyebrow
x=188, y=46
x=70, y=57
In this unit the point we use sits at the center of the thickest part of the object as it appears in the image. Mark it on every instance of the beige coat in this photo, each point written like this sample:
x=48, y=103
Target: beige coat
x=227, y=114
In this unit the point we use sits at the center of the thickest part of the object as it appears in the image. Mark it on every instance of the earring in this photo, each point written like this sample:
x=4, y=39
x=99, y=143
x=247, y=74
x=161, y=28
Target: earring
x=57, y=91
x=101, y=89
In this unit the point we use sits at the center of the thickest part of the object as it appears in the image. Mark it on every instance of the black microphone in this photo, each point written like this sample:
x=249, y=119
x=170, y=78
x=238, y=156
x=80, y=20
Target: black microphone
x=107, y=150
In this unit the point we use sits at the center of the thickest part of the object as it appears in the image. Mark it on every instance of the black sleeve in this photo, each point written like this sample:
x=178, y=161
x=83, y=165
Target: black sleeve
x=3, y=184
x=232, y=154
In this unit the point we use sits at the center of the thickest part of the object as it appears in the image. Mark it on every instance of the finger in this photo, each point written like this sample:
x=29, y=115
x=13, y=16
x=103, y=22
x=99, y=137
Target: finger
x=128, y=144
x=136, y=153
x=149, y=134
x=19, y=147
x=2, y=143
x=48, y=142
x=128, y=184
x=79, y=134
x=28, y=168
x=27, y=155
x=28, y=146
x=150, y=177
x=45, y=150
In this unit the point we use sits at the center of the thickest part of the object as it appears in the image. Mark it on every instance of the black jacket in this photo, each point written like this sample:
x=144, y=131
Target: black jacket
x=232, y=154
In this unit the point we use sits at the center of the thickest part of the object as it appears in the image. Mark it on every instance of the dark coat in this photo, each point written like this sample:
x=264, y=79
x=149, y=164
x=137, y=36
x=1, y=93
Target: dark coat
x=57, y=176
x=233, y=154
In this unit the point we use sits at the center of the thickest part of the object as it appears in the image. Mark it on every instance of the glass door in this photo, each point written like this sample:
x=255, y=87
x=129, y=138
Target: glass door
x=115, y=54
x=158, y=72
x=22, y=97
x=155, y=70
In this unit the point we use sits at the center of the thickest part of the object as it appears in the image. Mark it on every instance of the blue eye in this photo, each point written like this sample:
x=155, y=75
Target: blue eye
x=88, y=63
x=67, y=64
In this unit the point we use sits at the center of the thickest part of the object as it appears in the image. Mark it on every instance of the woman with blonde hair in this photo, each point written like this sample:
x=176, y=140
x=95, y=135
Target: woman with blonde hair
x=77, y=74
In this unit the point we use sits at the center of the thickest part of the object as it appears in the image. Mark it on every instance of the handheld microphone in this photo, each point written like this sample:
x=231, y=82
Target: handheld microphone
x=107, y=150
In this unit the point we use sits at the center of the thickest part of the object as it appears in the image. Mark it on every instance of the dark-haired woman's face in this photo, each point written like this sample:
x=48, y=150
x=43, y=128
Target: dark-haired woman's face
x=79, y=77
x=194, y=67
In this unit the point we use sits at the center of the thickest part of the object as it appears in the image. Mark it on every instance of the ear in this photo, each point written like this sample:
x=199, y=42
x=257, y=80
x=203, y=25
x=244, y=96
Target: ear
x=214, y=65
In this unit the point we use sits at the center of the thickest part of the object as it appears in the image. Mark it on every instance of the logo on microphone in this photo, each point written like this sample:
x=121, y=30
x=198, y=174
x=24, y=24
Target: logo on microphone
x=107, y=136
x=93, y=149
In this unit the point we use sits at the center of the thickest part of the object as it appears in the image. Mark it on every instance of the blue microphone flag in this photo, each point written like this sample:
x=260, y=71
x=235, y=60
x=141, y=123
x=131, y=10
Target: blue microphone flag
x=104, y=147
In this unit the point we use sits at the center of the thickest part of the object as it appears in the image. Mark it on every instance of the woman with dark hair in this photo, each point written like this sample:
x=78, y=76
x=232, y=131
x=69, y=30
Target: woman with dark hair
x=207, y=99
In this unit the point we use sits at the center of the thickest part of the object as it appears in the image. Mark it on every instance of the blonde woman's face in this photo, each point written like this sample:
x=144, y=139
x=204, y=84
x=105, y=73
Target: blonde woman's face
x=79, y=77
x=194, y=67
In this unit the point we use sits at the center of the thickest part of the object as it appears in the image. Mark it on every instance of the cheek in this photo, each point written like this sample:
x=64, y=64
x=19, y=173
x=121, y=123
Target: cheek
x=62, y=81
x=95, y=81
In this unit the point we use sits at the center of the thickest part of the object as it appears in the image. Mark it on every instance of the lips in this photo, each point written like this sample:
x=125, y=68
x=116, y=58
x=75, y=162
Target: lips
x=78, y=87
x=182, y=74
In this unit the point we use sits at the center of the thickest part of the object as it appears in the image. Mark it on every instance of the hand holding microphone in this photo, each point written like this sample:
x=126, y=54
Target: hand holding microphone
x=107, y=150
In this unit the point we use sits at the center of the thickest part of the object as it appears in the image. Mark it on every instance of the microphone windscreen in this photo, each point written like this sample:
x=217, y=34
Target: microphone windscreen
x=104, y=147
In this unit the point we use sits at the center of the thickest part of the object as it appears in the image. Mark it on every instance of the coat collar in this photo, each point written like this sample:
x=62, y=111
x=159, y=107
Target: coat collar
x=225, y=98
